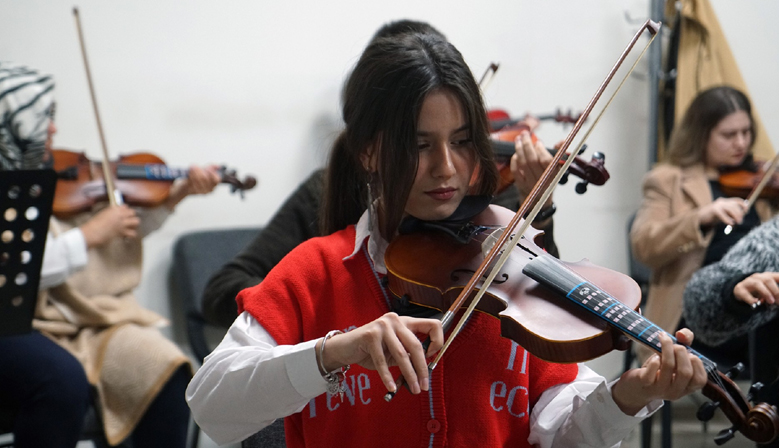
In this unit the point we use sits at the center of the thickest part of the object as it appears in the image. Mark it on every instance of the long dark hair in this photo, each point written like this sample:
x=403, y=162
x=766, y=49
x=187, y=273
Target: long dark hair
x=691, y=136
x=381, y=103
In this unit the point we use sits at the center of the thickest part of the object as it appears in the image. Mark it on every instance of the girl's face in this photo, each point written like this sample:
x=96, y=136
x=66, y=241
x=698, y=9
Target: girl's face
x=729, y=141
x=446, y=158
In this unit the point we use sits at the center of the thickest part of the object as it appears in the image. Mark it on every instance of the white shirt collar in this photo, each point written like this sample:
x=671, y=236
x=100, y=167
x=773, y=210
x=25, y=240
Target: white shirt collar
x=376, y=243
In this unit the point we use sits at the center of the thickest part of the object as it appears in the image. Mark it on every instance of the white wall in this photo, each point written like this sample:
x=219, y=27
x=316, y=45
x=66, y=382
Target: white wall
x=255, y=85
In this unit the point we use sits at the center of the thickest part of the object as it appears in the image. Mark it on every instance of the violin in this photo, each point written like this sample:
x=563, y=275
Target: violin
x=143, y=179
x=759, y=182
x=592, y=172
x=558, y=311
x=740, y=183
x=497, y=259
x=531, y=315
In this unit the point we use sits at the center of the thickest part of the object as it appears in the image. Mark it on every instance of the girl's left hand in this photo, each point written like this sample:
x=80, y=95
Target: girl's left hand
x=199, y=181
x=668, y=376
x=202, y=180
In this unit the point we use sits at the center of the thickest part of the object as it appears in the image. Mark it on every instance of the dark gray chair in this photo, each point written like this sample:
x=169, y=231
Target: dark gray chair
x=196, y=256
x=270, y=437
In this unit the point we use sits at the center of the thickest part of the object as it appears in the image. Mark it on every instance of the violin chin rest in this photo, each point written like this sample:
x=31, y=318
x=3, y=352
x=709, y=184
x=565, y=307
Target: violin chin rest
x=621, y=342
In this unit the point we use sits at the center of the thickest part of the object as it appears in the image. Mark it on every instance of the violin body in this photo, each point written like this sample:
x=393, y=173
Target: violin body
x=741, y=183
x=142, y=178
x=83, y=186
x=550, y=327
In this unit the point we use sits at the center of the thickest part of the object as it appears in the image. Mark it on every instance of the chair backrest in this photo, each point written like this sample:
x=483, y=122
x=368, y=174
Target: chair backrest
x=270, y=437
x=196, y=256
x=25, y=208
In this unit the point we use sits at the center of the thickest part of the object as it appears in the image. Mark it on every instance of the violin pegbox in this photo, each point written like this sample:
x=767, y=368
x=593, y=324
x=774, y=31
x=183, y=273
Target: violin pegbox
x=229, y=176
x=759, y=422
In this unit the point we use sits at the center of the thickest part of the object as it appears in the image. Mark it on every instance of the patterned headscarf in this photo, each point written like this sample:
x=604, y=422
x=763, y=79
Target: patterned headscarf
x=26, y=109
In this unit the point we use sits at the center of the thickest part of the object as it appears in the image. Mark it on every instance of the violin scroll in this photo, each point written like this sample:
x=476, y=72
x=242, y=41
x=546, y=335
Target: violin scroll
x=593, y=172
x=759, y=423
x=230, y=177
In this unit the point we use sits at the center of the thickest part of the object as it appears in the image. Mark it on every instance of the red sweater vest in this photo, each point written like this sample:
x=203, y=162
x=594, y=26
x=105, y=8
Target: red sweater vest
x=480, y=394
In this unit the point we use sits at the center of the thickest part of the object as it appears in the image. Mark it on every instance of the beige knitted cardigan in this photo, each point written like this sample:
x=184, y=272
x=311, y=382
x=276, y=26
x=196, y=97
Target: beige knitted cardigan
x=95, y=316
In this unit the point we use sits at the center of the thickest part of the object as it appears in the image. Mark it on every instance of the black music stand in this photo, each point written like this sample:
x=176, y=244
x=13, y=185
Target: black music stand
x=25, y=208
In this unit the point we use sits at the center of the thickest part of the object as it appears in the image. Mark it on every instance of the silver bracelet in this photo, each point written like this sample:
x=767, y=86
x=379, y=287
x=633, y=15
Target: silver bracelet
x=336, y=383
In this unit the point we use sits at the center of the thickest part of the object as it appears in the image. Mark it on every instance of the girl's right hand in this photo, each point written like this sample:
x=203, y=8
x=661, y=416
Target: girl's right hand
x=109, y=223
x=760, y=287
x=729, y=211
x=390, y=340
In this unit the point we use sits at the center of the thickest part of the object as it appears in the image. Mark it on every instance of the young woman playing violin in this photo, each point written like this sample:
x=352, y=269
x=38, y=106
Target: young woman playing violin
x=41, y=383
x=91, y=266
x=415, y=145
x=680, y=224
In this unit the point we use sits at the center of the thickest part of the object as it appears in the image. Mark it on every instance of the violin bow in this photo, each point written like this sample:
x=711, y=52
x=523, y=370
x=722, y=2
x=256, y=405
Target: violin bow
x=114, y=196
x=750, y=200
x=554, y=172
x=549, y=179
x=488, y=75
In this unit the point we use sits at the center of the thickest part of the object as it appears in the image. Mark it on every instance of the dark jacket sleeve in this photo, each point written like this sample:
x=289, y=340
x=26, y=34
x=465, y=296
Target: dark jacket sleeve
x=710, y=308
x=295, y=222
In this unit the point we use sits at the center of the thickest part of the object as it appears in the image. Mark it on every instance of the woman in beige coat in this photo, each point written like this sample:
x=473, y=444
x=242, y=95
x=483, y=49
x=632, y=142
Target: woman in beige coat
x=680, y=225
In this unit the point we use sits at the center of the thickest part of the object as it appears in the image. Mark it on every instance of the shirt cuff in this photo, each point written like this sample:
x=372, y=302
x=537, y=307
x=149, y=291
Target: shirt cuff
x=303, y=370
x=75, y=248
x=606, y=408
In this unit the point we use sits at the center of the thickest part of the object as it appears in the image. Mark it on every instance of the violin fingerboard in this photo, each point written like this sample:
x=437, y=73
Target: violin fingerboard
x=552, y=273
x=149, y=171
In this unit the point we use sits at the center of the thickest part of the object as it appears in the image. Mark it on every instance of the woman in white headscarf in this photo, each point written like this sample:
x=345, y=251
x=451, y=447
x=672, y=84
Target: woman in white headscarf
x=41, y=384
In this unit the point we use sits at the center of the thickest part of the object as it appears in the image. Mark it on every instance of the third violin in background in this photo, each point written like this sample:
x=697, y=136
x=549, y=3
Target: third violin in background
x=504, y=133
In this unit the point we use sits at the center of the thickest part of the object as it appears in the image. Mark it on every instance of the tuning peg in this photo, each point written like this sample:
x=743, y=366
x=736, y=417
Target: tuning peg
x=582, y=149
x=564, y=179
x=707, y=410
x=735, y=371
x=754, y=392
x=69, y=173
x=581, y=187
x=725, y=435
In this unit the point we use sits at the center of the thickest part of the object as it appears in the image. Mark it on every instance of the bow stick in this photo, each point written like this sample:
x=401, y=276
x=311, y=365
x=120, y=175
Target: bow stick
x=114, y=196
